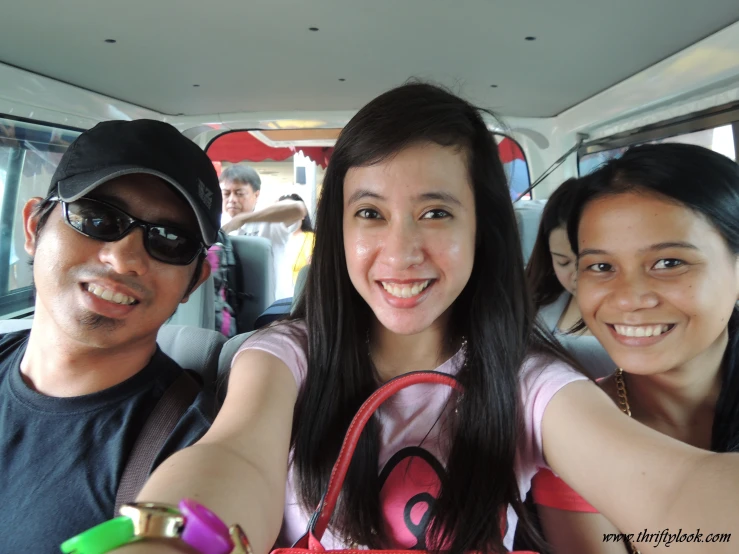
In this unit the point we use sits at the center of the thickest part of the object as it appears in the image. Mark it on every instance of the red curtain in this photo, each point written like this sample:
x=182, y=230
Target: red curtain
x=319, y=154
x=245, y=147
x=508, y=151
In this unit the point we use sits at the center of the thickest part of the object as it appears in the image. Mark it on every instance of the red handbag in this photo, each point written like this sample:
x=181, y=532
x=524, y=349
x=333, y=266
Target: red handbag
x=311, y=542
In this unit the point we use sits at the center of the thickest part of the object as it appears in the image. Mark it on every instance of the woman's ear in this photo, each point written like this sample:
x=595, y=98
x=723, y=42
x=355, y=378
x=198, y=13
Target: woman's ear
x=30, y=225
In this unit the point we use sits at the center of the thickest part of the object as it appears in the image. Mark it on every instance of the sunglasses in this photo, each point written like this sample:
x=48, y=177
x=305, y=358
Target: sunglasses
x=101, y=221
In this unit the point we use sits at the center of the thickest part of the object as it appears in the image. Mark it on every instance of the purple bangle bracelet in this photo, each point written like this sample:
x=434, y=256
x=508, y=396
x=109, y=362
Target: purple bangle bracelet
x=204, y=530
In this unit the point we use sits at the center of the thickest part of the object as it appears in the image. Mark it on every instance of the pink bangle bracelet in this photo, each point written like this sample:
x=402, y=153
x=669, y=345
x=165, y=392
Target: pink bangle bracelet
x=204, y=530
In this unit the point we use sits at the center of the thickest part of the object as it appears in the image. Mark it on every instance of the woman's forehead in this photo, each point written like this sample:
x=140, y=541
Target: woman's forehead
x=424, y=167
x=634, y=220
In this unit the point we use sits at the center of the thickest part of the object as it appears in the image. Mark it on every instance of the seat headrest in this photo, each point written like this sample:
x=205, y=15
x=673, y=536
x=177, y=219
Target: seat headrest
x=256, y=273
x=193, y=348
x=300, y=283
x=528, y=217
x=224, y=361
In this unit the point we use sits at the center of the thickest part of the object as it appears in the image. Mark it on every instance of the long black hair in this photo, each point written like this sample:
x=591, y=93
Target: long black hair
x=543, y=283
x=702, y=181
x=493, y=312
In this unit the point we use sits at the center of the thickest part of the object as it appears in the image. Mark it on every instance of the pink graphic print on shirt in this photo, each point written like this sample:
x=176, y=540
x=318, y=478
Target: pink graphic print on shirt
x=409, y=486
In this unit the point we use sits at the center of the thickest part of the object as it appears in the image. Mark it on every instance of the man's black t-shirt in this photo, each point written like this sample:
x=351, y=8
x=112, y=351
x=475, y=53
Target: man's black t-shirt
x=61, y=458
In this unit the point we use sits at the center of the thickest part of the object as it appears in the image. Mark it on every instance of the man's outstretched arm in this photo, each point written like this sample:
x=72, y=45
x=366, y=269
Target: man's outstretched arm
x=287, y=212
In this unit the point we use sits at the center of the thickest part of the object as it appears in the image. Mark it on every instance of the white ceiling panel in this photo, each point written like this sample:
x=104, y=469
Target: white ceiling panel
x=260, y=55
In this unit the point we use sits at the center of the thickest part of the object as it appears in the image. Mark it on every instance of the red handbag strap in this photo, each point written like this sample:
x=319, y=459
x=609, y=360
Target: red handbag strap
x=322, y=516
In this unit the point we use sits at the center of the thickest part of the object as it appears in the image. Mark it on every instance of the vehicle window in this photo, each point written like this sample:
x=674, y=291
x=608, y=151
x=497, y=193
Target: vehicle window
x=293, y=161
x=590, y=162
x=515, y=166
x=29, y=154
x=290, y=163
x=286, y=158
x=718, y=139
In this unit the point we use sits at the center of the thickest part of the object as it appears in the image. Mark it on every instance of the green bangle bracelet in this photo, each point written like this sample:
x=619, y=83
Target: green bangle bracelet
x=101, y=538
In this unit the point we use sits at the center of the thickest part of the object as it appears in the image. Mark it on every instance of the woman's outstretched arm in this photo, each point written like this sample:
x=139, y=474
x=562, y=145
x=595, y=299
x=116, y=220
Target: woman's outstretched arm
x=239, y=468
x=638, y=478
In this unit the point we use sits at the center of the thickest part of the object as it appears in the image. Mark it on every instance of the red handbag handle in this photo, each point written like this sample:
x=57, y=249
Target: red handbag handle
x=325, y=510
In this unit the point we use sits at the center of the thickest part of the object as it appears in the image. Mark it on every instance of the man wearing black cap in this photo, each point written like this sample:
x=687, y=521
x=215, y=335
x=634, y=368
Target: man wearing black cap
x=117, y=245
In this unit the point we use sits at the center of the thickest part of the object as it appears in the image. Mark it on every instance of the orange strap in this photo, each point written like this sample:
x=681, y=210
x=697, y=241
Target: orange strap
x=549, y=490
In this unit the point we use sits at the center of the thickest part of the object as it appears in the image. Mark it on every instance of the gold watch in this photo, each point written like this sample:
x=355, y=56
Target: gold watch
x=153, y=520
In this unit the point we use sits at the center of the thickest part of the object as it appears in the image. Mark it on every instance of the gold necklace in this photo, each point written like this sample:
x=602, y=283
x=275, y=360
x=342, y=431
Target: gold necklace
x=623, y=399
x=623, y=403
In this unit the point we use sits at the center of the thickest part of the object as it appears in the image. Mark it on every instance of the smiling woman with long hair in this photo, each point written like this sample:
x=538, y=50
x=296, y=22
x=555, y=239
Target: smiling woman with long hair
x=658, y=242
x=417, y=267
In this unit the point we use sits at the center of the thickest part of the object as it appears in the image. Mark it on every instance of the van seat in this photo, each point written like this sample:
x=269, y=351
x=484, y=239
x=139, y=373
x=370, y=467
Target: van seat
x=284, y=306
x=193, y=348
x=224, y=361
x=200, y=309
x=256, y=273
x=528, y=217
x=300, y=283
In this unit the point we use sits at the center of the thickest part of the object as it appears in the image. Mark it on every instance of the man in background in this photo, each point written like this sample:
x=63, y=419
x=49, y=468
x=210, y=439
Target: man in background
x=240, y=187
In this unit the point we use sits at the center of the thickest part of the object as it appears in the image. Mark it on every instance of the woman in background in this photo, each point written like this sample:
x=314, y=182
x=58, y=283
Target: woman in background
x=552, y=277
x=299, y=250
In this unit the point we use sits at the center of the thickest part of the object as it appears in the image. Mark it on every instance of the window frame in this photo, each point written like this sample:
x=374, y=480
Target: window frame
x=18, y=303
x=719, y=116
x=523, y=153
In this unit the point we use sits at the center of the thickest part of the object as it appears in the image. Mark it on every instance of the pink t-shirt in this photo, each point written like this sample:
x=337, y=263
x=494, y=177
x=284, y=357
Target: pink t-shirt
x=413, y=443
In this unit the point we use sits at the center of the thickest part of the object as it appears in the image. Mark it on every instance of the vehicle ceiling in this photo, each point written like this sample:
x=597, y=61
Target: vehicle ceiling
x=260, y=56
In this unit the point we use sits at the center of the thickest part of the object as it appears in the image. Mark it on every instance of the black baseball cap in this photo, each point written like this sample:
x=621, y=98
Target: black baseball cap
x=112, y=149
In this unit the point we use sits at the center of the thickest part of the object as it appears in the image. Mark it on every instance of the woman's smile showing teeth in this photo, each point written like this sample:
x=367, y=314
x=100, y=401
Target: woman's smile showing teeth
x=405, y=290
x=640, y=335
x=405, y=294
x=642, y=330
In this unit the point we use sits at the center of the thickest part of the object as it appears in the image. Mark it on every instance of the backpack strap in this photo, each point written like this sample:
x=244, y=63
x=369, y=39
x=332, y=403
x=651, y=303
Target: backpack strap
x=161, y=422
